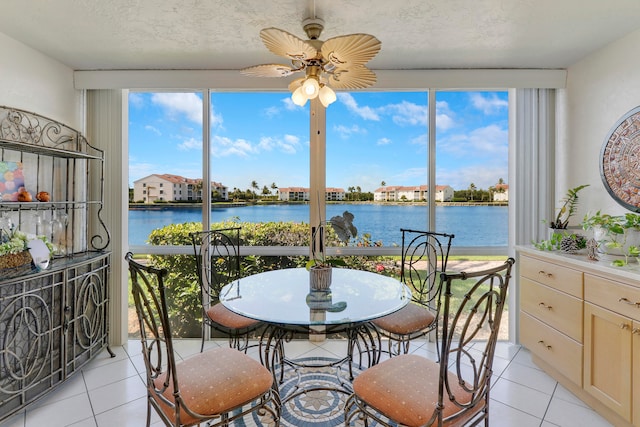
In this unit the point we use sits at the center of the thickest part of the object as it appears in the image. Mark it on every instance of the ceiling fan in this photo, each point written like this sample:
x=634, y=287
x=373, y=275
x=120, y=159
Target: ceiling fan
x=338, y=62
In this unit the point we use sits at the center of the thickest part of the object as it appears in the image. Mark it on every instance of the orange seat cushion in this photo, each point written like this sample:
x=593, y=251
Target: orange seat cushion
x=227, y=318
x=405, y=389
x=410, y=318
x=215, y=382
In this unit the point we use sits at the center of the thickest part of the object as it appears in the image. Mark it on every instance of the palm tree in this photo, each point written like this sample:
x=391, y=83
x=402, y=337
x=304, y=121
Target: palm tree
x=274, y=186
x=197, y=188
x=472, y=189
x=254, y=186
x=383, y=184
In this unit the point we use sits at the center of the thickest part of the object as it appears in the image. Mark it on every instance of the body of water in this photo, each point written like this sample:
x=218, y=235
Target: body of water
x=472, y=225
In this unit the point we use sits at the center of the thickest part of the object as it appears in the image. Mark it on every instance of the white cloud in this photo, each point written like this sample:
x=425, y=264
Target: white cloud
x=136, y=99
x=383, y=141
x=490, y=104
x=153, y=129
x=289, y=105
x=366, y=113
x=290, y=144
x=444, y=116
x=190, y=144
x=346, y=132
x=222, y=146
x=186, y=104
x=408, y=113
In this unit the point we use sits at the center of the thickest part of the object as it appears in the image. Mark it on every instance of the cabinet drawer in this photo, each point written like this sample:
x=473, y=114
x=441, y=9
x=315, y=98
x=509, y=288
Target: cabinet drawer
x=615, y=296
x=557, y=309
x=553, y=275
x=555, y=348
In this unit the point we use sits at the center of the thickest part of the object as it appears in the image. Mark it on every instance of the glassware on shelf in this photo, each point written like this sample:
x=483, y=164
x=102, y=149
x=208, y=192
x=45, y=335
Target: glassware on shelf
x=59, y=233
x=6, y=225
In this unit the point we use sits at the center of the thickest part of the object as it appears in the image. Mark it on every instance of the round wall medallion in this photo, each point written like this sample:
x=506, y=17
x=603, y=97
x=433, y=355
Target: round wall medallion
x=620, y=161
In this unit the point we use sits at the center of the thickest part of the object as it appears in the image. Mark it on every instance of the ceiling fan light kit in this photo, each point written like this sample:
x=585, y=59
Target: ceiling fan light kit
x=337, y=63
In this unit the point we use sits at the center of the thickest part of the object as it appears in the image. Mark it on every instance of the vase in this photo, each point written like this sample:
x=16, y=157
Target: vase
x=320, y=278
x=616, y=244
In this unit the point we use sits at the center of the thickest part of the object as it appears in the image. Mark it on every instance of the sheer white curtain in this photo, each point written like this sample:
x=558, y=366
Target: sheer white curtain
x=532, y=162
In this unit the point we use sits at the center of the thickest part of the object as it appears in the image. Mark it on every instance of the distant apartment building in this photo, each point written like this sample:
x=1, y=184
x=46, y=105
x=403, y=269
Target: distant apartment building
x=501, y=193
x=302, y=194
x=173, y=188
x=397, y=193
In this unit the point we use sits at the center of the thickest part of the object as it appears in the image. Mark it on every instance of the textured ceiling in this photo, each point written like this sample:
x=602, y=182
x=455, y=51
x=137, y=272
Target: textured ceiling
x=224, y=34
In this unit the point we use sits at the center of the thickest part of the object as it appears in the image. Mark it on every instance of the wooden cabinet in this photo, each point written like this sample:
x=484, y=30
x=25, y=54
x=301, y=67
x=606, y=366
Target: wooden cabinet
x=611, y=310
x=52, y=321
x=551, y=314
x=580, y=319
x=607, y=362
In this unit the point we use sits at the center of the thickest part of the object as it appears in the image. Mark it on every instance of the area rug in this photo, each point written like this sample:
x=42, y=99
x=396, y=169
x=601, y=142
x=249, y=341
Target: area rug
x=316, y=408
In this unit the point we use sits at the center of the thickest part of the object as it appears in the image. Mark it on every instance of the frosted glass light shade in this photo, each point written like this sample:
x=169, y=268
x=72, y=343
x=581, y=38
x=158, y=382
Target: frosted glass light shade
x=327, y=96
x=311, y=88
x=298, y=97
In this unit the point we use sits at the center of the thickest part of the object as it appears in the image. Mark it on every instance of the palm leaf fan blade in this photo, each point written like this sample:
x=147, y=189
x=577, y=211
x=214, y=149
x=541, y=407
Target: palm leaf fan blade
x=285, y=44
x=354, y=78
x=268, y=70
x=350, y=51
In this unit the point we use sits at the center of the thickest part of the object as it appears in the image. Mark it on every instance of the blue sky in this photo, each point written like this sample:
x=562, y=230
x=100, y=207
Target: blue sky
x=371, y=137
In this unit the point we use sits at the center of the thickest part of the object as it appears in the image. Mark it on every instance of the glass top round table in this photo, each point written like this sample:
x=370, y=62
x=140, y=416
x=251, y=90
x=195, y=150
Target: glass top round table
x=284, y=297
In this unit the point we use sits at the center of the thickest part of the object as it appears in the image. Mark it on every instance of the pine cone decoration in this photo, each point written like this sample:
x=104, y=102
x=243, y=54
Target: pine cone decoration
x=571, y=244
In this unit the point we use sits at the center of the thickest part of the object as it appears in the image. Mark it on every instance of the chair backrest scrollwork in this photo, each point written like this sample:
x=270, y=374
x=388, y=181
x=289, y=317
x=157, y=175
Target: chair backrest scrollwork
x=424, y=256
x=217, y=261
x=473, y=305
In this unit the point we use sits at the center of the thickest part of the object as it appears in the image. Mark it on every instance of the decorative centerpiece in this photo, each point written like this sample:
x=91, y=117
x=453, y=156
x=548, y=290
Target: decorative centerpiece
x=14, y=249
x=319, y=265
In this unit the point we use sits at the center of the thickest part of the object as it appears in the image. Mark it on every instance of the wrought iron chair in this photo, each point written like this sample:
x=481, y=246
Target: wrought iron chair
x=217, y=255
x=216, y=386
x=413, y=391
x=424, y=256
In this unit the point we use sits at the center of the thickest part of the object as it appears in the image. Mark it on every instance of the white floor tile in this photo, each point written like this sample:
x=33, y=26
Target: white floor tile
x=501, y=415
x=564, y=394
x=60, y=413
x=116, y=394
x=131, y=414
x=529, y=377
x=567, y=414
x=107, y=374
x=16, y=420
x=89, y=422
x=525, y=399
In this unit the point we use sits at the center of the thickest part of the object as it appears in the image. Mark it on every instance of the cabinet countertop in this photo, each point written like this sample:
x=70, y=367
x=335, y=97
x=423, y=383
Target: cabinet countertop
x=583, y=263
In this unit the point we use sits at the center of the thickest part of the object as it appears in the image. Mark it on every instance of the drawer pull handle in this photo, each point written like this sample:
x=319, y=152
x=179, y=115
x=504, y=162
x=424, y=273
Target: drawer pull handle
x=636, y=331
x=626, y=301
x=547, y=346
x=544, y=273
x=548, y=307
x=624, y=326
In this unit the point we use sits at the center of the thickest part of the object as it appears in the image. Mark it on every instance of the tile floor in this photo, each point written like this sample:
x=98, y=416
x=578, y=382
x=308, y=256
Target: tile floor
x=110, y=391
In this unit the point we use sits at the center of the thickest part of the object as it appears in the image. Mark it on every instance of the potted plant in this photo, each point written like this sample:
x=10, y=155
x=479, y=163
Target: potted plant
x=567, y=209
x=319, y=265
x=617, y=236
x=14, y=249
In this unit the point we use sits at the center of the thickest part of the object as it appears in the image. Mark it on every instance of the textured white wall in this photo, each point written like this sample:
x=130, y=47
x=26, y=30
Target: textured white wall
x=600, y=89
x=31, y=81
